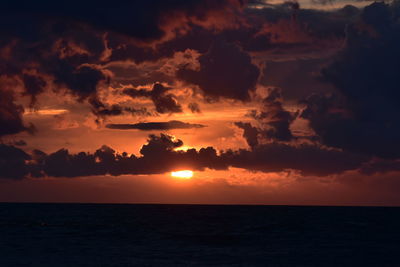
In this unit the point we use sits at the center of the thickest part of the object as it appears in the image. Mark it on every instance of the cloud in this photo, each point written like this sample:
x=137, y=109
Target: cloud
x=363, y=115
x=159, y=155
x=11, y=115
x=120, y=16
x=43, y=52
x=34, y=85
x=102, y=110
x=66, y=49
x=82, y=81
x=273, y=121
x=194, y=107
x=151, y=126
x=380, y=166
x=18, y=143
x=164, y=102
x=13, y=162
x=310, y=23
x=297, y=78
x=250, y=133
x=308, y=159
x=225, y=71
x=62, y=47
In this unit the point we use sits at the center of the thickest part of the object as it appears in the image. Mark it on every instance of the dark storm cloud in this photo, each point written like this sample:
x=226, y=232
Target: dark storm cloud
x=380, y=166
x=151, y=126
x=140, y=19
x=13, y=162
x=11, y=115
x=75, y=29
x=44, y=51
x=18, y=143
x=305, y=158
x=225, y=71
x=164, y=102
x=319, y=23
x=134, y=75
x=250, y=133
x=274, y=118
x=272, y=27
x=63, y=44
x=158, y=155
x=33, y=86
x=82, y=81
x=298, y=78
x=102, y=110
x=273, y=121
x=364, y=116
x=194, y=107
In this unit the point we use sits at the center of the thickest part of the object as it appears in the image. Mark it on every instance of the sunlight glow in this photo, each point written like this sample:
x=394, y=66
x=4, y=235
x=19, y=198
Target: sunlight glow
x=183, y=148
x=46, y=112
x=186, y=174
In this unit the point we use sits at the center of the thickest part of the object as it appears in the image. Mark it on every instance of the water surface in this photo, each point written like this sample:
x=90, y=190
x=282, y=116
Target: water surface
x=197, y=235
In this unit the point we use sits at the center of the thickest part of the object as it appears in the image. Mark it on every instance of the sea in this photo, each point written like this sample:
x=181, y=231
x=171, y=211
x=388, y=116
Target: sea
x=197, y=235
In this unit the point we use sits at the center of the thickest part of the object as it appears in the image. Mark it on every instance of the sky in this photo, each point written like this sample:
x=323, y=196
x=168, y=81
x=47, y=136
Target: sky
x=266, y=102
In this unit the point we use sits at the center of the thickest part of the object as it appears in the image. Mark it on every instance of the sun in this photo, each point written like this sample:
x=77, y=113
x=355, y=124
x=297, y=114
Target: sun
x=186, y=174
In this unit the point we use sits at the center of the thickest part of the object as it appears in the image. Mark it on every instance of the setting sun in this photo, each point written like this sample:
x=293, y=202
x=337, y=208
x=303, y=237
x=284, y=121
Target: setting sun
x=186, y=174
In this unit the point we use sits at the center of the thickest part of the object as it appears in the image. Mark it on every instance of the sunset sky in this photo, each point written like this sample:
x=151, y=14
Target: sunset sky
x=267, y=102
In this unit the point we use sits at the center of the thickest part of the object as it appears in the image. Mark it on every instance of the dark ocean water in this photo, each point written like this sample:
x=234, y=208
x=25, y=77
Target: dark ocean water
x=197, y=235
